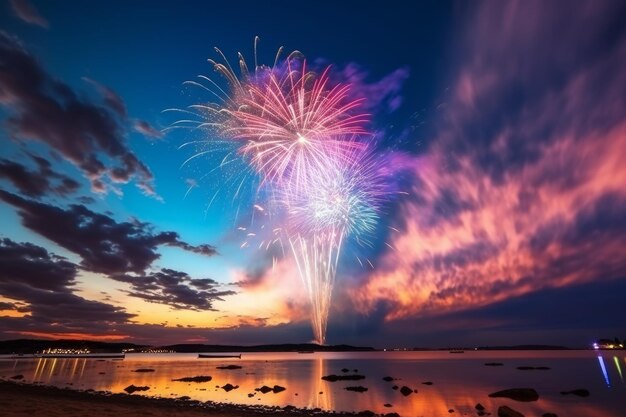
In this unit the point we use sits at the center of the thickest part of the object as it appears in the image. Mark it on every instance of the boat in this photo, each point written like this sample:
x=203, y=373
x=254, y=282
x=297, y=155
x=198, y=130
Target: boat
x=210, y=356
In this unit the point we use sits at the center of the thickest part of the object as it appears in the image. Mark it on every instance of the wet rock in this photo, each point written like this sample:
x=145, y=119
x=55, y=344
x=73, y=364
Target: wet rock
x=132, y=388
x=265, y=389
x=505, y=411
x=345, y=370
x=366, y=413
x=406, y=391
x=494, y=364
x=101, y=373
x=427, y=383
x=387, y=405
x=229, y=387
x=578, y=392
x=229, y=367
x=335, y=378
x=141, y=370
x=517, y=394
x=198, y=379
x=184, y=398
x=289, y=408
x=395, y=387
x=321, y=392
x=479, y=407
x=450, y=411
x=388, y=378
x=356, y=389
x=549, y=415
x=392, y=415
x=250, y=395
x=18, y=377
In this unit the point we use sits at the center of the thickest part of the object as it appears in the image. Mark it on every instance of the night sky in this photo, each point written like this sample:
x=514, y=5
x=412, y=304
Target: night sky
x=506, y=123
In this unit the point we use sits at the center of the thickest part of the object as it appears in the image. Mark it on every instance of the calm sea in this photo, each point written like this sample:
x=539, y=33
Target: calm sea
x=459, y=381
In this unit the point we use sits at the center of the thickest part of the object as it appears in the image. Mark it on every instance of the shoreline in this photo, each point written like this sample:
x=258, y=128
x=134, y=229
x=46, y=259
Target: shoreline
x=19, y=399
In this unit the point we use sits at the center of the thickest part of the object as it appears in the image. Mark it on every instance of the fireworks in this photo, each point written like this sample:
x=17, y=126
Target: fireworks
x=307, y=141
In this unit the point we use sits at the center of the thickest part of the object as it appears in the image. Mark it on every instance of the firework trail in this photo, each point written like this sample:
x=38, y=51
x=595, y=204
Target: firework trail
x=307, y=141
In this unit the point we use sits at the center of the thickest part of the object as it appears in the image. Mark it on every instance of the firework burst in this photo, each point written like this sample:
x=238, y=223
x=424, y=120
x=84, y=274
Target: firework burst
x=307, y=141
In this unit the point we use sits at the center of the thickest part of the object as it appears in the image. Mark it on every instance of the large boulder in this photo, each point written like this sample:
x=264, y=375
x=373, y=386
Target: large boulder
x=505, y=411
x=517, y=394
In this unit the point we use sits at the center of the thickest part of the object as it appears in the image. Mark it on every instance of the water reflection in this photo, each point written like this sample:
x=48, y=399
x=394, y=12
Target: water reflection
x=604, y=373
x=458, y=383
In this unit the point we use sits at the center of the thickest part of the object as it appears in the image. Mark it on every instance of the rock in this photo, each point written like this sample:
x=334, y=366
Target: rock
x=479, y=407
x=542, y=368
x=289, y=408
x=184, y=398
x=229, y=387
x=505, y=411
x=265, y=389
x=321, y=392
x=450, y=411
x=392, y=415
x=101, y=373
x=144, y=370
x=387, y=405
x=395, y=387
x=525, y=368
x=250, y=395
x=578, y=392
x=355, y=370
x=366, y=413
x=18, y=377
x=198, y=379
x=345, y=370
x=517, y=394
x=427, y=383
x=494, y=364
x=388, y=378
x=132, y=388
x=356, y=389
x=335, y=378
x=229, y=367
x=406, y=391
x=549, y=415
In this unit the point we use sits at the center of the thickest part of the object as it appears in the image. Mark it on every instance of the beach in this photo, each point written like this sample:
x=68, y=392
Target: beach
x=19, y=399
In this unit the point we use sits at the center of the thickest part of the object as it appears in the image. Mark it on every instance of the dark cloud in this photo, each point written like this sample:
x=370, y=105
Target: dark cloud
x=175, y=289
x=44, y=109
x=28, y=13
x=104, y=244
x=37, y=183
x=147, y=129
x=111, y=98
x=42, y=283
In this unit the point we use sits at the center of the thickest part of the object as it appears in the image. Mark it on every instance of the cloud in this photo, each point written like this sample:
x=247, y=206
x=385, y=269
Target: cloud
x=175, y=289
x=105, y=245
x=44, y=283
x=384, y=94
x=37, y=183
x=146, y=129
x=44, y=109
x=28, y=13
x=111, y=98
x=522, y=189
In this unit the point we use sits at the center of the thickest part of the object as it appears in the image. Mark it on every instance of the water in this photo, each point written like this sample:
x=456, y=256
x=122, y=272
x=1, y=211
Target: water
x=460, y=381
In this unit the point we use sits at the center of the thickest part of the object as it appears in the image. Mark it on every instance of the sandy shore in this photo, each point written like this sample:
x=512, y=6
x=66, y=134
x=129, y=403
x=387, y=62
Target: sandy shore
x=21, y=400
